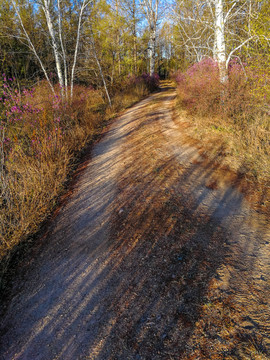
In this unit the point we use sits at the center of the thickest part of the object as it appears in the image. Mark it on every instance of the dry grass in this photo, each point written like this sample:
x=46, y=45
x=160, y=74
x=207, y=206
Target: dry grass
x=245, y=149
x=41, y=153
x=165, y=299
x=236, y=117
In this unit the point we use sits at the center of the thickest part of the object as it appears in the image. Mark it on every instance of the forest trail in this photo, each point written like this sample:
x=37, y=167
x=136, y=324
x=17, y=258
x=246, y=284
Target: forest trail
x=153, y=256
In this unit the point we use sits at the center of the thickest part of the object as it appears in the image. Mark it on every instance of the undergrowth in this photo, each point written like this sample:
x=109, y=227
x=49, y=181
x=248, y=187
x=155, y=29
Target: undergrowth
x=40, y=137
x=236, y=115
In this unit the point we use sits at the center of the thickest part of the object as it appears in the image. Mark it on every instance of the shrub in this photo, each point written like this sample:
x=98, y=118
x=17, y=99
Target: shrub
x=240, y=108
x=151, y=82
x=201, y=92
x=40, y=135
x=199, y=87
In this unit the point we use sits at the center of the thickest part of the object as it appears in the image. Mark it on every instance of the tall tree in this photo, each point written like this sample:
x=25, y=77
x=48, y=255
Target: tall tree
x=220, y=45
x=131, y=14
x=214, y=28
x=53, y=15
x=151, y=8
x=15, y=58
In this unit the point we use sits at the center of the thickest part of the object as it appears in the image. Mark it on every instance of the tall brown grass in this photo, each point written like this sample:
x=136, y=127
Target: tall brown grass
x=41, y=137
x=236, y=115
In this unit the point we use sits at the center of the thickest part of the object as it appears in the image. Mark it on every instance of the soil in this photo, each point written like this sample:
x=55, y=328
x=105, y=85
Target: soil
x=157, y=254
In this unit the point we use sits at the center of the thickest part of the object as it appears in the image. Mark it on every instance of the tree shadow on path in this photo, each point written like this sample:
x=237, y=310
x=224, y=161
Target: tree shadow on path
x=137, y=257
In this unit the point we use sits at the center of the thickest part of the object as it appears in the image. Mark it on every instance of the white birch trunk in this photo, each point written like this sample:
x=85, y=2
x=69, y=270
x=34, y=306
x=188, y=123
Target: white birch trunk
x=62, y=78
x=62, y=48
x=151, y=11
x=83, y=7
x=152, y=44
x=47, y=13
x=76, y=50
x=220, y=45
x=31, y=46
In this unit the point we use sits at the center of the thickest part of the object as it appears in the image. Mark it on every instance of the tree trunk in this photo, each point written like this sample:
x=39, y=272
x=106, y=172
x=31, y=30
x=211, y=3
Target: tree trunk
x=54, y=44
x=100, y=71
x=134, y=37
x=62, y=48
x=31, y=46
x=152, y=48
x=151, y=12
x=84, y=5
x=220, y=45
x=135, y=54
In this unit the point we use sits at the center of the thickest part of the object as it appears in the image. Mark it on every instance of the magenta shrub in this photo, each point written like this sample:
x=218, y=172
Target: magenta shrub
x=35, y=121
x=150, y=81
x=200, y=90
x=18, y=116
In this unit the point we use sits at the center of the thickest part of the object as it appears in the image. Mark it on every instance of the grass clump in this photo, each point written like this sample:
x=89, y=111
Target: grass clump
x=236, y=114
x=40, y=136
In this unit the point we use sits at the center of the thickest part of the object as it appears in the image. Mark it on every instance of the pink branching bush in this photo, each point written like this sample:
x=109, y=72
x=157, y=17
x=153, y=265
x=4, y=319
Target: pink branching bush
x=27, y=125
x=200, y=90
x=237, y=98
x=15, y=110
x=199, y=87
x=151, y=82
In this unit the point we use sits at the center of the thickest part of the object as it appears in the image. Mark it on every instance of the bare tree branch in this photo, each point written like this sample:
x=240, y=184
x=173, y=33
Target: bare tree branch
x=31, y=45
x=237, y=48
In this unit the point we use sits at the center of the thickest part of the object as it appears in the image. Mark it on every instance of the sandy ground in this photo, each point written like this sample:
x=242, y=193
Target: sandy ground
x=154, y=256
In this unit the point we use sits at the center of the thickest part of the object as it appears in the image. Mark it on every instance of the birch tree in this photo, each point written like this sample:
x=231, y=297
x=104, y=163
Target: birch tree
x=62, y=47
x=131, y=10
x=221, y=19
x=150, y=8
x=55, y=32
x=45, y=4
x=219, y=22
x=83, y=7
x=31, y=45
x=220, y=45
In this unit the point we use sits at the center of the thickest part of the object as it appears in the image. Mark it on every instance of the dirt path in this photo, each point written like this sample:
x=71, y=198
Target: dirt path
x=153, y=257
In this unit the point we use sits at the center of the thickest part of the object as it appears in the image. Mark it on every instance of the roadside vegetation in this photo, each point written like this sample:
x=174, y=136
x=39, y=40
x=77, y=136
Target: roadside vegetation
x=223, y=82
x=235, y=115
x=67, y=67
x=41, y=138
